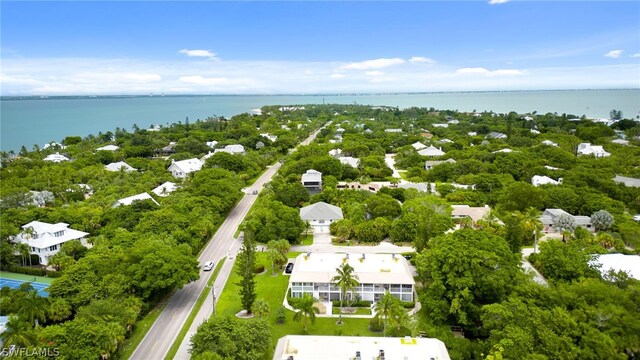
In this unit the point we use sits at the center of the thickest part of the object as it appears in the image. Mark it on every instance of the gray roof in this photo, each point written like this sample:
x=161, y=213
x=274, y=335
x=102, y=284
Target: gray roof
x=627, y=181
x=321, y=211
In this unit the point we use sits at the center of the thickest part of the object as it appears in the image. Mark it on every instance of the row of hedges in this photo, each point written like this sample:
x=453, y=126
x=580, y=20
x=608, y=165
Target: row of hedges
x=39, y=271
x=359, y=303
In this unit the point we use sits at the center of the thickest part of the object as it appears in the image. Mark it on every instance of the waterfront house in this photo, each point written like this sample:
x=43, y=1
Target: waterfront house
x=377, y=273
x=180, y=169
x=45, y=239
x=320, y=215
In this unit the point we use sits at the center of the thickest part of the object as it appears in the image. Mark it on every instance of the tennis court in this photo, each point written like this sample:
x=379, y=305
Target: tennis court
x=14, y=284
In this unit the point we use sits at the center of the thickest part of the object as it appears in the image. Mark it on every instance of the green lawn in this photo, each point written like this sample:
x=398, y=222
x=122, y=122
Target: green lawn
x=306, y=239
x=273, y=289
x=23, y=277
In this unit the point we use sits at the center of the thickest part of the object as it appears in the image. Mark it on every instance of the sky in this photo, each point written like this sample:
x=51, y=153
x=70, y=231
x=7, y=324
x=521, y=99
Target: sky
x=303, y=47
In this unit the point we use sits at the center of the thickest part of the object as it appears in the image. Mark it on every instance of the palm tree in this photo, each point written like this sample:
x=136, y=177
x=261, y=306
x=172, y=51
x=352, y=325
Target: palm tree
x=34, y=308
x=306, y=311
x=347, y=281
x=532, y=223
x=24, y=251
x=389, y=308
x=260, y=308
x=18, y=332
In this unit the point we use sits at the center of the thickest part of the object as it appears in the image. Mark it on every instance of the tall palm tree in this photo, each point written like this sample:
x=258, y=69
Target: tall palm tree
x=18, y=332
x=532, y=223
x=347, y=281
x=33, y=308
x=24, y=251
x=306, y=311
x=389, y=308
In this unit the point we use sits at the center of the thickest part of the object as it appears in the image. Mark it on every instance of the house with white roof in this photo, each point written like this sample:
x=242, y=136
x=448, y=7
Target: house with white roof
x=180, y=169
x=549, y=143
x=120, y=165
x=211, y=144
x=271, y=138
x=335, y=152
x=314, y=347
x=320, y=215
x=56, y=158
x=351, y=161
x=534, y=131
x=440, y=125
x=108, y=148
x=549, y=216
x=472, y=133
x=312, y=179
x=165, y=189
x=595, y=150
x=53, y=144
x=627, y=181
x=45, y=239
x=418, y=145
x=620, y=142
x=552, y=167
x=445, y=141
x=129, y=200
x=393, y=130
x=377, y=273
x=539, y=180
x=231, y=149
x=630, y=264
x=507, y=150
x=429, y=164
x=431, y=151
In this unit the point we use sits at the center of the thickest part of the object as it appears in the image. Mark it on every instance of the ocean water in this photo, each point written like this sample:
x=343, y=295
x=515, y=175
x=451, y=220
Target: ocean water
x=38, y=121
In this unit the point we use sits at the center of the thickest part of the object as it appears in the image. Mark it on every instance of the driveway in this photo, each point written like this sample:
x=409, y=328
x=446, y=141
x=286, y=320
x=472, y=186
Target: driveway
x=321, y=238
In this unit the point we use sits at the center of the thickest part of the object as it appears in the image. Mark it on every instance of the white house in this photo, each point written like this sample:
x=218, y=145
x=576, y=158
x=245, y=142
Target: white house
x=45, y=239
x=619, y=262
x=53, y=144
x=429, y=164
x=314, y=347
x=549, y=217
x=312, y=179
x=393, y=130
x=117, y=166
x=620, y=142
x=538, y=180
x=507, y=150
x=56, y=158
x=335, y=152
x=211, y=144
x=627, y=181
x=431, y=151
x=534, y=131
x=231, y=149
x=551, y=167
x=129, y=200
x=320, y=215
x=472, y=133
x=549, y=143
x=441, y=125
x=588, y=149
x=271, y=138
x=180, y=169
x=108, y=148
x=351, y=161
x=418, y=145
x=445, y=141
x=377, y=273
x=165, y=189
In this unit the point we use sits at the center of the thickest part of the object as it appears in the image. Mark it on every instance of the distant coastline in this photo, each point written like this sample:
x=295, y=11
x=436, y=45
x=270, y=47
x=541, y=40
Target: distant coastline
x=31, y=120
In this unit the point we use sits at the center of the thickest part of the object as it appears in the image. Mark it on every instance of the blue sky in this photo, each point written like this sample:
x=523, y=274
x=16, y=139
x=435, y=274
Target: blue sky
x=71, y=47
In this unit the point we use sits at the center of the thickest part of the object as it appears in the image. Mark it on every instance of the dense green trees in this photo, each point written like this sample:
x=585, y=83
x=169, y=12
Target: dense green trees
x=232, y=339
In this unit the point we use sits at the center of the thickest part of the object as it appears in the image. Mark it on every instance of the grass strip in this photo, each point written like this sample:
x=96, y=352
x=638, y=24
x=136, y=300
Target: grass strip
x=142, y=327
x=185, y=328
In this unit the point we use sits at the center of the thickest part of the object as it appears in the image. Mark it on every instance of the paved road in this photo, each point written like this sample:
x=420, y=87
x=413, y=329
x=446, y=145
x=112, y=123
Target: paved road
x=160, y=337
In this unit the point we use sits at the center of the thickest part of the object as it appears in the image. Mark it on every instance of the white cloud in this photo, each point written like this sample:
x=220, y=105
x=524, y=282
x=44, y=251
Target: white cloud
x=374, y=73
x=485, y=72
x=636, y=55
x=198, y=53
x=494, y=2
x=337, y=76
x=420, y=59
x=373, y=64
x=201, y=80
x=614, y=54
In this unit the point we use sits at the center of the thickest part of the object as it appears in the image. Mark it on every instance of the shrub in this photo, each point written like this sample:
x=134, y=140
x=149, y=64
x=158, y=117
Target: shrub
x=359, y=303
x=259, y=269
x=39, y=271
x=376, y=325
x=281, y=315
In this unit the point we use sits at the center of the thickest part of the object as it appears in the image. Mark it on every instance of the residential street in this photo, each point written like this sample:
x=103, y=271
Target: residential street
x=164, y=331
